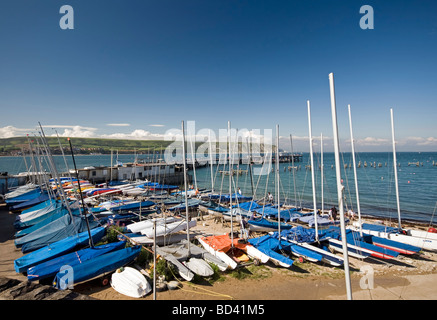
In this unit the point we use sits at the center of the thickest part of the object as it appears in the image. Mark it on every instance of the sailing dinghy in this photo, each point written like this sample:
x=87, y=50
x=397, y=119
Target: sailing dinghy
x=130, y=282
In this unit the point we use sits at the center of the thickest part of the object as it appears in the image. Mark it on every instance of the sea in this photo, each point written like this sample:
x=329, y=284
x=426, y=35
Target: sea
x=416, y=171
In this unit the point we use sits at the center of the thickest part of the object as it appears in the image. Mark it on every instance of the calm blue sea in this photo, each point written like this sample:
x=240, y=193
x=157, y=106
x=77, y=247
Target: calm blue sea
x=376, y=183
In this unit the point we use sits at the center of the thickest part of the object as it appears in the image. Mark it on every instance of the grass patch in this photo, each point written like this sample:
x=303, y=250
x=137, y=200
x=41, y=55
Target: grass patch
x=251, y=272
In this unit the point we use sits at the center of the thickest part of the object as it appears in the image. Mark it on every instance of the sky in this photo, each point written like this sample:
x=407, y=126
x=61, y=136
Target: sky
x=137, y=69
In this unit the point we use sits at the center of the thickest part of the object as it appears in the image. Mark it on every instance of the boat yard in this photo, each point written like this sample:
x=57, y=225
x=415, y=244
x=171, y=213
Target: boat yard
x=400, y=278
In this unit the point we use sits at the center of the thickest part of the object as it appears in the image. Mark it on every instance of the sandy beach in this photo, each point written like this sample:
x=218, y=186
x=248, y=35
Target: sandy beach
x=406, y=278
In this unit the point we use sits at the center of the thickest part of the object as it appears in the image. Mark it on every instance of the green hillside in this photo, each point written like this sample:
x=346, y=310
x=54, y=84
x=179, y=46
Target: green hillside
x=14, y=146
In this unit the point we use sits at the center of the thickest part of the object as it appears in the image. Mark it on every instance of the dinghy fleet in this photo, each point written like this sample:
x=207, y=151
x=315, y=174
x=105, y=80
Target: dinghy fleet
x=64, y=225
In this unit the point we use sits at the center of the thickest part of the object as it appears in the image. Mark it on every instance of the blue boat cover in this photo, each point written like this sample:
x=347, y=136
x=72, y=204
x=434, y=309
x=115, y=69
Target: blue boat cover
x=96, y=267
x=181, y=206
x=249, y=206
x=300, y=234
x=164, y=187
x=226, y=197
x=269, y=246
x=56, y=249
x=355, y=239
x=35, y=216
x=38, y=206
x=133, y=205
x=54, y=231
x=31, y=194
x=272, y=212
x=51, y=267
x=41, y=221
x=214, y=206
x=31, y=202
x=264, y=223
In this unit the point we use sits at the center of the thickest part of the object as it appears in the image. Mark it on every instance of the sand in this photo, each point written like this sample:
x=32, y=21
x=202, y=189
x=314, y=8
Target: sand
x=406, y=278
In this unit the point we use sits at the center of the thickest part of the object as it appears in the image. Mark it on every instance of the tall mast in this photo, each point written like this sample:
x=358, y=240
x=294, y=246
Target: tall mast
x=55, y=173
x=395, y=167
x=321, y=170
x=184, y=159
x=81, y=196
x=193, y=159
x=355, y=171
x=312, y=171
x=230, y=184
x=339, y=186
x=277, y=182
x=292, y=168
x=211, y=162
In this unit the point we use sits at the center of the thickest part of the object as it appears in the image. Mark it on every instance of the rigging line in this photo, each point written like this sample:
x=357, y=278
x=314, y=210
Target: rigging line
x=432, y=216
x=54, y=171
x=43, y=178
x=347, y=182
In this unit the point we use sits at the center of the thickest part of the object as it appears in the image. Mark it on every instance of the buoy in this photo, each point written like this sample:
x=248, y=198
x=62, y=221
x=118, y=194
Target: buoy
x=432, y=230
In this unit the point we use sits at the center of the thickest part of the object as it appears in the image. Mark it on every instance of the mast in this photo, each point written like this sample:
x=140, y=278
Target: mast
x=211, y=162
x=110, y=178
x=57, y=178
x=193, y=159
x=395, y=168
x=185, y=185
x=230, y=184
x=355, y=171
x=277, y=182
x=292, y=167
x=321, y=169
x=339, y=186
x=312, y=171
x=81, y=196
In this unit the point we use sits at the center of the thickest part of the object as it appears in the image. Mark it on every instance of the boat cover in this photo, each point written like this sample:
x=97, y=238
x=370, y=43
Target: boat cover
x=41, y=221
x=264, y=223
x=321, y=221
x=27, y=195
x=272, y=212
x=181, y=206
x=52, y=232
x=132, y=205
x=97, y=266
x=249, y=206
x=56, y=249
x=33, y=217
x=211, y=205
x=355, y=239
x=30, y=202
x=269, y=246
x=51, y=267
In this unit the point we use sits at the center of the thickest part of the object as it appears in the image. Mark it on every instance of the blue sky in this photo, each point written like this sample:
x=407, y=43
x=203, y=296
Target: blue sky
x=135, y=69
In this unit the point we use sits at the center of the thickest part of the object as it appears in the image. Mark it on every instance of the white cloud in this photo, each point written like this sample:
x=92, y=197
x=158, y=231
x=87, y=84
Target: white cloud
x=11, y=131
x=74, y=131
x=156, y=125
x=118, y=124
x=420, y=141
x=138, y=134
x=371, y=141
